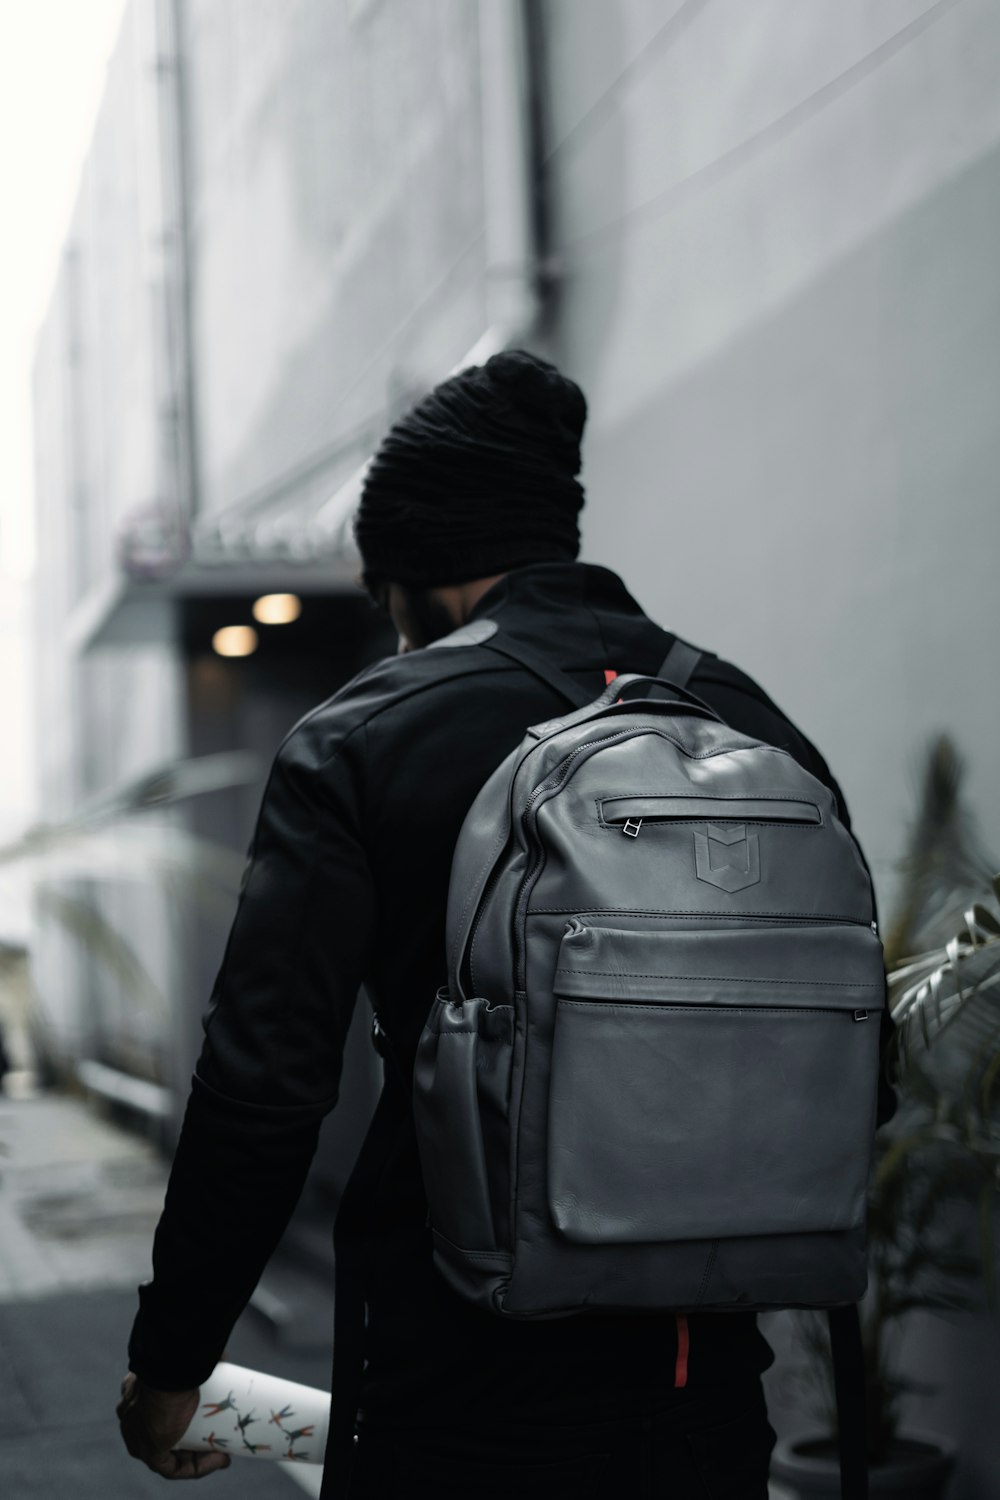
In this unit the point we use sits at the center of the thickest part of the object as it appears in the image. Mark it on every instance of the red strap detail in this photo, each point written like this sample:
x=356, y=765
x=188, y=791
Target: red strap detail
x=681, y=1367
x=609, y=676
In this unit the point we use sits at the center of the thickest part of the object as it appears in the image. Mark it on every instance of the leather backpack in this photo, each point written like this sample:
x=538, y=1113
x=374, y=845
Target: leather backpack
x=651, y=1080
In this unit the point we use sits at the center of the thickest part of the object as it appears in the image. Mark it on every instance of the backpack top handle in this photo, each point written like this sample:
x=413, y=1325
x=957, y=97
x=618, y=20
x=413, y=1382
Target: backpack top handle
x=612, y=703
x=662, y=690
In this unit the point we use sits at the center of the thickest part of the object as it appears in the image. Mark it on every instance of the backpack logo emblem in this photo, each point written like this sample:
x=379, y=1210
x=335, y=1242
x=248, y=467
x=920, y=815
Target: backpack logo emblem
x=734, y=866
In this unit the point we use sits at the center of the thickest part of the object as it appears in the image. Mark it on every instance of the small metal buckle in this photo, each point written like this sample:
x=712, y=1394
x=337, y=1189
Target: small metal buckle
x=631, y=827
x=860, y=1015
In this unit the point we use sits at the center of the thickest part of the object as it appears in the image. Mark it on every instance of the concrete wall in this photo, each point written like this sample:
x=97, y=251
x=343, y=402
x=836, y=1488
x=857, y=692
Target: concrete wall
x=99, y=408
x=324, y=196
x=336, y=228
x=777, y=226
x=774, y=226
x=98, y=441
x=17, y=760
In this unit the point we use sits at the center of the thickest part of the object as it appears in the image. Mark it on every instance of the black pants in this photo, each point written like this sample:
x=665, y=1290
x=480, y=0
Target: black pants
x=709, y=1444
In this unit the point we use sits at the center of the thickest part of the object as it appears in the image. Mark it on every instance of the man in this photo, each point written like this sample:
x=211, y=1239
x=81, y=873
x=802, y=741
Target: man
x=468, y=522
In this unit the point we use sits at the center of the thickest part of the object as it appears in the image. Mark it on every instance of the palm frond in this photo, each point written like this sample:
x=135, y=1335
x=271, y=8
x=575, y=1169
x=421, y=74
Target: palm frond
x=130, y=836
x=937, y=1167
x=933, y=990
x=85, y=922
x=944, y=866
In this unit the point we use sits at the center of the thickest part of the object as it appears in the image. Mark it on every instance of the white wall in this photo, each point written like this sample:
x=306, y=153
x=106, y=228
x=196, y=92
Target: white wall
x=336, y=229
x=778, y=226
x=17, y=771
x=99, y=422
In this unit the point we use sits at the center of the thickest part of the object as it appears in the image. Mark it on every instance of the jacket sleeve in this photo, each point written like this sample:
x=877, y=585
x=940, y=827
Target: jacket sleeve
x=270, y=1064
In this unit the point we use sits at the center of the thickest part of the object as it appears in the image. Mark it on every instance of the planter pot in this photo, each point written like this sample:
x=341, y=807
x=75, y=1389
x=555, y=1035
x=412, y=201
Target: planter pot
x=917, y=1469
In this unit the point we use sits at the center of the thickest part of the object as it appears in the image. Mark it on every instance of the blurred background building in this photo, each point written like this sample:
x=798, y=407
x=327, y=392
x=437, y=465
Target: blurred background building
x=761, y=242
x=761, y=237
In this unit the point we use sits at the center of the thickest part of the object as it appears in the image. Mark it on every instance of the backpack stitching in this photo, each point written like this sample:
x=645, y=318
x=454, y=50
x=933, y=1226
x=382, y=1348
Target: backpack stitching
x=709, y=1267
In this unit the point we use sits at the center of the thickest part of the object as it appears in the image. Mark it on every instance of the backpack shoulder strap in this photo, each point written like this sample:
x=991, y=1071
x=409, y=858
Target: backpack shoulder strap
x=677, y=667
x=533, y=661
x=679, y=662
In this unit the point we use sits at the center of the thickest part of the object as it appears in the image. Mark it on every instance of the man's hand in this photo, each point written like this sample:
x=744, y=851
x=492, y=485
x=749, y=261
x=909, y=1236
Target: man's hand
x=153, y=1421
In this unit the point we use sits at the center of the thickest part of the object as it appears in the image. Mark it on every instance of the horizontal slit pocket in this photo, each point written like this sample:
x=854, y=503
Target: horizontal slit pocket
x=816, y=966
x=615, y=810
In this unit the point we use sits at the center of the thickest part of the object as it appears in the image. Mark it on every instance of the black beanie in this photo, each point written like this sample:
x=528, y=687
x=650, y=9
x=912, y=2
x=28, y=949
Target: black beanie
x=477, y=478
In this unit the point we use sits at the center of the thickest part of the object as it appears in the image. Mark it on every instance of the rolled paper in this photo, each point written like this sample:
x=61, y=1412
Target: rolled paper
x=251, y=1414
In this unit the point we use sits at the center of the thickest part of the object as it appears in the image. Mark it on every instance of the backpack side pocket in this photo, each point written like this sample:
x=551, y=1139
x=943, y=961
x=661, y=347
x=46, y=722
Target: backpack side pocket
x=461, y=1097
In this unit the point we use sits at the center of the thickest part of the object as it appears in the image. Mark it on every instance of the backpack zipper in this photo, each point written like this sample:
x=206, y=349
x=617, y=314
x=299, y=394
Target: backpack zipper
x=630, y=813
x=766, y=1010
x=552, y=784
x=723, y=916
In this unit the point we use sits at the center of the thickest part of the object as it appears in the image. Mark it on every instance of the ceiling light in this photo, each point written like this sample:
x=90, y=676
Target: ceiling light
x=277, y=609
x=235, y=640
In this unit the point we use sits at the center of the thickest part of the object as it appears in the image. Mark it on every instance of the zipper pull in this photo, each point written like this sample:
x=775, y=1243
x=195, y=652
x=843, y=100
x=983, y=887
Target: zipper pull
x=631, y=827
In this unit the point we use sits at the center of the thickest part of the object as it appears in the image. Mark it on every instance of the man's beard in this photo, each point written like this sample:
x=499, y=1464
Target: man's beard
x=427, y=616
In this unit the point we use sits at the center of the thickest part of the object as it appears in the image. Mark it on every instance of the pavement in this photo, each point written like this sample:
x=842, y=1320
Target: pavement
x=79, y=1200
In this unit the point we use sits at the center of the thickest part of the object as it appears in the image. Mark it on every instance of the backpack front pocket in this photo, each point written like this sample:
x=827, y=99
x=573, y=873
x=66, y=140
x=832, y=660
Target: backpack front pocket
x=712, y=1083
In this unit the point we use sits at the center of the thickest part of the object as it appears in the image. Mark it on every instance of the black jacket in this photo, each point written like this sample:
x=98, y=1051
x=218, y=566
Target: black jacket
x=346, y=883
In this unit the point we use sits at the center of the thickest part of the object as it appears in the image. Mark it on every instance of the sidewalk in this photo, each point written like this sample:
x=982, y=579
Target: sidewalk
x=79, y=1199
